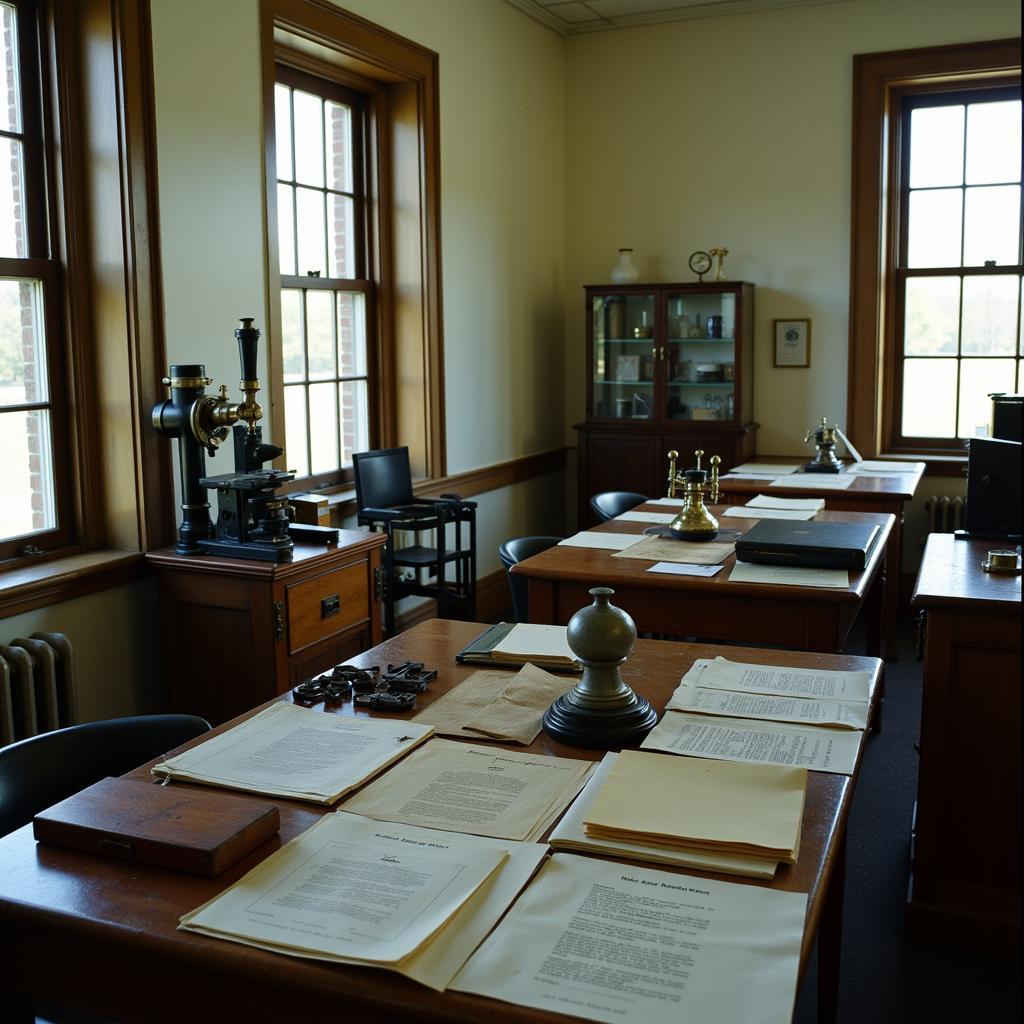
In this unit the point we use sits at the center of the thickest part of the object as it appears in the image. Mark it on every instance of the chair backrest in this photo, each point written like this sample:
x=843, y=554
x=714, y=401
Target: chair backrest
x=516, y=550
x=610, y=504
x=383, y=478
x=40, y=771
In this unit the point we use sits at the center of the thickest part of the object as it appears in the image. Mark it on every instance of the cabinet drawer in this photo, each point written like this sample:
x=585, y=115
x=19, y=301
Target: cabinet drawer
x=326, y=605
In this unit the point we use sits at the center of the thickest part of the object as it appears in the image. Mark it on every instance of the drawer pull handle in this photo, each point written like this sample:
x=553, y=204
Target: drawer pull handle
x=330, y=606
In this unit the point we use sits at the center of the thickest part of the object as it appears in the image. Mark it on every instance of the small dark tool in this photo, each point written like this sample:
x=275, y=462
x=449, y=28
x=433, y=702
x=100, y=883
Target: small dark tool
x=409, y=677
x=383, y=701
x=310, y=691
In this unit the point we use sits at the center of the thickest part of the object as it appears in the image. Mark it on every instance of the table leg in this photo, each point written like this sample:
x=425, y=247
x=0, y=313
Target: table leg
x=830, y=937
x=894, y=560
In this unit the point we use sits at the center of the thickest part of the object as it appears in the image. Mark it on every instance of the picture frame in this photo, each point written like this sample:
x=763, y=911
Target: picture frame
x=627, y=368
x=792, y=343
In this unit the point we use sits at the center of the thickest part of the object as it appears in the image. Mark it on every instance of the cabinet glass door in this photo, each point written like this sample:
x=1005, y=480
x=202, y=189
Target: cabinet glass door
x=701, y=357
x=623, y=356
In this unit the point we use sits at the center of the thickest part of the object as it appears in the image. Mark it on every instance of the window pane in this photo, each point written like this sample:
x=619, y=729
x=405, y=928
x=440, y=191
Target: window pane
x=310, y=209
x=22, y=343
x=10, y=111
x=12, y=200
x=293, y=355
x=354, y=419
x=936, y=146
x=340, y=214
x=990, y=316
x=351, y=334
x=309, y=139
x=934, y=229
x=323, y=427
x=283, y=131
x=295, y=429
x=932, y=316
x=993, y=142
x=978, y=379
x=320, y=334
x=286, y=228
x=26, y=473
x=992, y=225
x=929, y=397
x=338, y=129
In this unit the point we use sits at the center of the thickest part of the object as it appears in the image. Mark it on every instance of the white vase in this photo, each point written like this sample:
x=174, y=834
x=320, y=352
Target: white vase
x=625, y=272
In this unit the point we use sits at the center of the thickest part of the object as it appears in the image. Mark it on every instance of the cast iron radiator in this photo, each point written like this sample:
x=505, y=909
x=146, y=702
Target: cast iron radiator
x=37, y=686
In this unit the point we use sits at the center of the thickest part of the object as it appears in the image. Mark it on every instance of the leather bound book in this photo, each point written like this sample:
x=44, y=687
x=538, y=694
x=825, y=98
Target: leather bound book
x=179, y=827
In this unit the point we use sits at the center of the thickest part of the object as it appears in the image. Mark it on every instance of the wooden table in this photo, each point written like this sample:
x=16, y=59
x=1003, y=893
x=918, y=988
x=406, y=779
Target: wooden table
x=102, y=934
x=884, y=493
x=713, y=608
x=966, y=873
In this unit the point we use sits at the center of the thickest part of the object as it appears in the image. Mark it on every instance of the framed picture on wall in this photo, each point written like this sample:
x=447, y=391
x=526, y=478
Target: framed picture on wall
x=792, y=342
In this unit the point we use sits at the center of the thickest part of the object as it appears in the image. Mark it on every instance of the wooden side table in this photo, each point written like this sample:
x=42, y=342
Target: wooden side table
x=966, y=872
x=235, y=632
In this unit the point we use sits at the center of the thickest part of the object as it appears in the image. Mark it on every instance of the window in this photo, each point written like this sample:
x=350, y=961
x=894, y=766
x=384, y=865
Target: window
x=33, y=498
x=958, y=277
x=935, y=247
x=326, y=295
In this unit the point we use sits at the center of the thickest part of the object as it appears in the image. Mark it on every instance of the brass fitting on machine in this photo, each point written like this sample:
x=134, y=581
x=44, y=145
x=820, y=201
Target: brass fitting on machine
x=694, y=522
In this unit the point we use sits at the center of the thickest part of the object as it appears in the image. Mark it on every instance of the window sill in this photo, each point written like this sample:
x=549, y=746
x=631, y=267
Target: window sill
x=37, y=584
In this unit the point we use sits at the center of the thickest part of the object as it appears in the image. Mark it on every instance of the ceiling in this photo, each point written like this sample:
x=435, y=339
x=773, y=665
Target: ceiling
x=571, y=17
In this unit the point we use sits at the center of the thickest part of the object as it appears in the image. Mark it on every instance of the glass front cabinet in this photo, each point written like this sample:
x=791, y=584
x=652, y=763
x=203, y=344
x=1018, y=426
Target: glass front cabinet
x=668, y=366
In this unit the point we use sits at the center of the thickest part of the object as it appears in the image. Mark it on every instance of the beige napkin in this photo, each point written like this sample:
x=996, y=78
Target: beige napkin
x=516, y=714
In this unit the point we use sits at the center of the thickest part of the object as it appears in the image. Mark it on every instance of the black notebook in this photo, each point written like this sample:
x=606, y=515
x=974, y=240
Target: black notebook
x=814, y=544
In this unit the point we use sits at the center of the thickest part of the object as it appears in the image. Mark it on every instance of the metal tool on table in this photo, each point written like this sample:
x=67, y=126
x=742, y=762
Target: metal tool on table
x=694, y=521
x=824, y=437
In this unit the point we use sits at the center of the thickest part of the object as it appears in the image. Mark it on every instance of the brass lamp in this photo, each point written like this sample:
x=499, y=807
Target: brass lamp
x=694, y=521
x=825, y=460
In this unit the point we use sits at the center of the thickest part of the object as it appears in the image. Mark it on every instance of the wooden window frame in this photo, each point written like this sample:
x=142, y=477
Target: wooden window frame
x=879, y=82
x=403, y=174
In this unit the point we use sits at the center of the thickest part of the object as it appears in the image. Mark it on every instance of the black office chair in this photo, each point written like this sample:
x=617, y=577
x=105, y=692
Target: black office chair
x=610, y=504
x=385, y=501
x=40, y=771
x=516, y=550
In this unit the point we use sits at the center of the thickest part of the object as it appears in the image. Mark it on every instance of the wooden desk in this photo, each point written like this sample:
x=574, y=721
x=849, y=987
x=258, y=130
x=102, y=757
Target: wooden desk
x=966, y=871
x=886, y=493
x=102, y=934
x=712, y=608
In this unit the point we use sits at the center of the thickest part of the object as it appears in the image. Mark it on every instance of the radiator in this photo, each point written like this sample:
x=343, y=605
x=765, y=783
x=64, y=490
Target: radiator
x=945, y=514
x=37, y=686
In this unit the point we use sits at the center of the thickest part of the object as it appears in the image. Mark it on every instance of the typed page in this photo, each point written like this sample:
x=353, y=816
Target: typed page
x=780, y=680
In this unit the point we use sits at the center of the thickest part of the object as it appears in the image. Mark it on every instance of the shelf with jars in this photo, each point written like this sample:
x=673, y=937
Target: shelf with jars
x=668, y=366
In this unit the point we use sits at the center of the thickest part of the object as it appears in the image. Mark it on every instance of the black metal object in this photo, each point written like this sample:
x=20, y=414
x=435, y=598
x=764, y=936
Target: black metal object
x=393, y=689
x=386, y=701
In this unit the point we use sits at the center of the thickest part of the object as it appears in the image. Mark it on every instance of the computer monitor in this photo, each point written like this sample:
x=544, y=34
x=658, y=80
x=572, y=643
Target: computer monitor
x=993, y=488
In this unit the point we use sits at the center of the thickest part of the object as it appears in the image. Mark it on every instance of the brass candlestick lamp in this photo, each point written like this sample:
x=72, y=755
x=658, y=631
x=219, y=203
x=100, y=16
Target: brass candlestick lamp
x=825, y=460
x=694, y=521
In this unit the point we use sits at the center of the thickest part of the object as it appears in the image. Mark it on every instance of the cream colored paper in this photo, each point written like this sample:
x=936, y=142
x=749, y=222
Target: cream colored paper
x=661, y=549
x=484, y=791
x=295, y=752
x=531, y=641
x=569, y=834
x=684, y=569
x=746, y=512
x=781, y=680
x=765, y=469
x=667, y=502
x=630, y=945
x=345, y=890
x=797, y=504
x=646, y=517
x=450, y=712
x=752, y=742
x=516, y=714
x=438, y=961
x=789, y=575
x=606, y=541
x=801, y=710
x=882, y=468
x=701, y=803
x=816, y=481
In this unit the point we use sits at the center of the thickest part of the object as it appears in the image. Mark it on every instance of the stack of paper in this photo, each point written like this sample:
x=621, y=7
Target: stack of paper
x=663, y=549
x=296, y=752
x=348, y=890
x=570, y=834
x=664, y=518
x=746, y=512
x=695, y=804
x=816, y=481
x=796, y=504
x=882, y=468
x=479, y=790
x=764, y=469
x=598, y=539
x=535, y=643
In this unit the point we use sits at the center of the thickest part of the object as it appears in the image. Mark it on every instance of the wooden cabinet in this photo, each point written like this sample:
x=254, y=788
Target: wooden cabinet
x=966, y=868
x=668, y=366
x=236, y=632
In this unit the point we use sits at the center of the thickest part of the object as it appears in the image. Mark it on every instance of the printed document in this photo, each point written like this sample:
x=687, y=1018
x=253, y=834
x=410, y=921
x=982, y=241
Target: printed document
x=326, y=894
x=753, y=742
x=667, y=502
x=780, y=680
x=764, y=469
x=629, y=945
x=484, y=791
x=816, y=481
x=596, y=539
x=797, y=504
x=789, y=575
x=684, y=569
x=295, y=752
x=664, y=549
x=882, y=468
x=536, y=642
x=646, y=517
x=570, y=834
x=746, y=512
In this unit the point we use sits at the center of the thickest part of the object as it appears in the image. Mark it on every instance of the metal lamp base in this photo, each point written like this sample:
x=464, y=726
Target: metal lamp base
x=609, y=729
x=822, y=467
